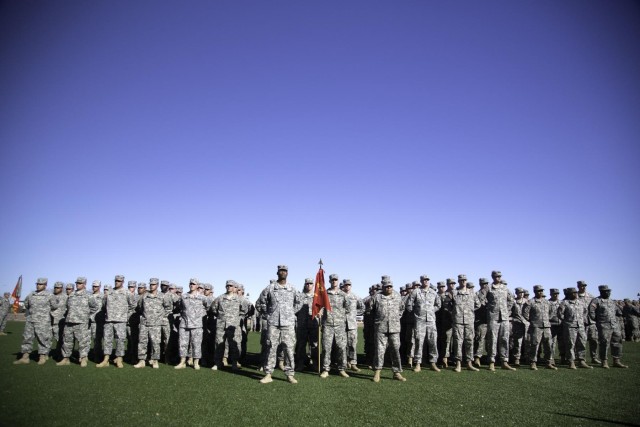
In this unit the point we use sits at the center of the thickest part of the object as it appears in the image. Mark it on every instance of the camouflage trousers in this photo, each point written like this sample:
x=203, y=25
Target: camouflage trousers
x=575, y=341
x=426, y=335
x=190, y=342
x=463, y=336
x=593, y=338
x=444, y=341
x=230, y=335
x=409, y=339
x=40, y=332
x=479, y=341
x=352, y=346
x=498, y=336
x=57, y=329
x=119, y=330
x=306, y=344
x=608, y=336
x=97, y=332
x=391, y=340
x=557, y=339
x=149, y=334
x=79, y=332
x=165, y=336
x=3, y=320
x=337, y=334
x=284, y=337
x=539, y=337
x=517, y=339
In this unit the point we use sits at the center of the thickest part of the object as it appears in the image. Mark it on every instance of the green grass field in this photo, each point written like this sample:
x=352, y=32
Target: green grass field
x=70, y=395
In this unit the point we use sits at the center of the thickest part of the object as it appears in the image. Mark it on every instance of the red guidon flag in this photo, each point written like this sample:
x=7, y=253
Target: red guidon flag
x=320, y=297
x=17, y=291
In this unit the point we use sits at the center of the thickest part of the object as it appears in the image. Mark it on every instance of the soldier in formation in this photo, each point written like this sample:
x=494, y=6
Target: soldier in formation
x=423, y=304
x=334, y=332
x=76, y=327
x=5, y=306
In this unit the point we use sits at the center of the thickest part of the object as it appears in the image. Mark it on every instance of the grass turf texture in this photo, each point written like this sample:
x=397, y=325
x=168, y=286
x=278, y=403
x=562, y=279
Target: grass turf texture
x=70, y=395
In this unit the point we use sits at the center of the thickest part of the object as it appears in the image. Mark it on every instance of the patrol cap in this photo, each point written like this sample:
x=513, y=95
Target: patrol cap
x=96, y=283
x=385, y=279
x=449, y=281
x=178, y=288
x=230, y=283
x=526, y=292
x=571, y=290
x=603, y=288
x=441, y=284
x=283, y=267
x=172, y=285
x=537, y=288
x=346, y=282
x=462, y=277
x=519, y=290
x=554, y=291
x=582, y=283
x=424, y=277
x=408, y=287
x=194, y=281
x=483, y=281
x=41, y=281
x=119, y=278
x=240, y=286
x=470, y=285
x=58, y=285
x=387, y=284
x=131, y=284
x=69, y=286
x=377, y=286
x=154, y=281
x=107, y=287
x=207, y=286
x=432, y=286
x=333, y=277
x=164, y=283
x=81, y=280
x=340, y=285
x=200, y=285
x=308, y=280
x=416, y=283
x=496, y=273
x=142, y=285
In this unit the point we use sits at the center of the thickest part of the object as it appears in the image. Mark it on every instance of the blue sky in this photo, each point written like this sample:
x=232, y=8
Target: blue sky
x=219, y=139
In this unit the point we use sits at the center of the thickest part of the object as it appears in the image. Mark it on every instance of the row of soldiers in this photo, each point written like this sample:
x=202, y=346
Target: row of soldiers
x=148, y=325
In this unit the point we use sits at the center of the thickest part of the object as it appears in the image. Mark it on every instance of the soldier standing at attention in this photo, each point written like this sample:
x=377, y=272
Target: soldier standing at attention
x=152, y=308
x=193, y=307
x=306, y=328
x=479, y=341
x=571, y=313
x=278, y=302
x=465, y=302
x=96, y=319
x=556, y=326
x=387, y=308
x=334, y=329
x=165, y=327
x=57, y=317
x=77, y=324
x=499, y=304
x=117, y=303
x=228, y=309
x=423, y=305
x=38, y=306
x=367, y=329
x=603, y=311
x=356, y=309
x=538, y=312
x=519, y=325
x=445, y=331
x=69, y=289
x=592, y=331
x=5, y=306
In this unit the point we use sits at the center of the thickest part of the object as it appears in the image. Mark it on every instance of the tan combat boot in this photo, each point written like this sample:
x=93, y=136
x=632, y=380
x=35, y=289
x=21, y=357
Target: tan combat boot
x=291, y=379
x=238, y=364
x=605, y=365
x=43, y=359
x=410, y=362
x=266, y=379
x=119, y=362
x=398, y=376
x=551, y=366
x=181, y=365
x=445, y=362
x=434, y=367
x=416, y=368
x=280, y=364
x=324, y=374
x=471, y=367
x=617, y=363
x=476, y=361
x=225, y=362
x=83, y=362
x=354, y=367
x=140, y=364
x=343, y=374
x=154, y=364
x=516, y=362
x=506, y=366
x=492, y=366
x=64, y=362
x=572, y=364
x=533, y=366
x=104, y=363
x=457, y=368
x=23, y=360
x=190, y=361
x=376, y=376
x=196, y=364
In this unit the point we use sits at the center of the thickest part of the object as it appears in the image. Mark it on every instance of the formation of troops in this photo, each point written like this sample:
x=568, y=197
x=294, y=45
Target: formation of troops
x=447, y=325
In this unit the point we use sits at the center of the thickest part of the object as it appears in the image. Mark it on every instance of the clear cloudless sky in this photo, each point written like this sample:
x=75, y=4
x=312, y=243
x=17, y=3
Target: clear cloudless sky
x=218, y=139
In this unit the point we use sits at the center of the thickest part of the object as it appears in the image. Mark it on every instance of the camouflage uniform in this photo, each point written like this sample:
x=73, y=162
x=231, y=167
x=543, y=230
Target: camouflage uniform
x=604, y=312
x=228, y=309
x=306, y=331
x=77, y=324
x=499, y=304
x=278, y=304
x=117, y=305
x=5, y=306
x=96, y=320
x=590, y=326
x=572, y=314
x=538, y=313
x=423, y=304
x=356, y=309
x=334, y=329
x=465, y=302
x=479, y=341
x=57, y=317
x=38, y=307
x=193, y=307
x=368, y=329
x=152, y=309
x=445, y=324
x=386, y=311
x=519, y=326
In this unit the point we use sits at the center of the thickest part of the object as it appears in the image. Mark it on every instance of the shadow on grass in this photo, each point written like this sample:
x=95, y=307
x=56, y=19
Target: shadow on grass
x=600, y=420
